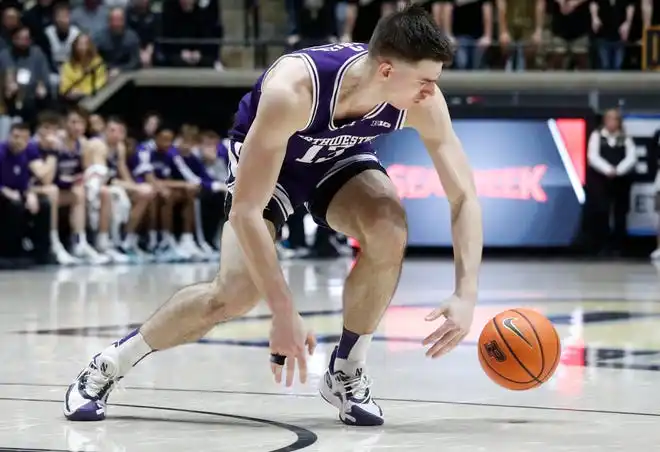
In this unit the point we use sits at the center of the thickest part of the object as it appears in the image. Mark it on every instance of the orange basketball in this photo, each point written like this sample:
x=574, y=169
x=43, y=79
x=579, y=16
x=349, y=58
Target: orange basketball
x=519, y=349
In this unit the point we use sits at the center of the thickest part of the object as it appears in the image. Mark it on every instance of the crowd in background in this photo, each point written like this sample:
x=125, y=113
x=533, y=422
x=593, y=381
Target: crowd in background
x=79, y=188
x=499, y=34
x=82, y=190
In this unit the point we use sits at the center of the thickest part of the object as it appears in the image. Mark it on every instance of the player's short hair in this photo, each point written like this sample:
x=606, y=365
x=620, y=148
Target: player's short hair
x=22, y=126
x=49, y=118
x=410, y=35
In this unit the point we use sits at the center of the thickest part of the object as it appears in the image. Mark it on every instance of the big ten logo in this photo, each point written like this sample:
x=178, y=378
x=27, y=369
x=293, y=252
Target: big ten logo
x=318, y=153
x=651, y=49
x=337, y=47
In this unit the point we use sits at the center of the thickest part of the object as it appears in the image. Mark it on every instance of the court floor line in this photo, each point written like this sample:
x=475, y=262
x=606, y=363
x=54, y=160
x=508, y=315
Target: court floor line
x=384, y=399
x=304, y=437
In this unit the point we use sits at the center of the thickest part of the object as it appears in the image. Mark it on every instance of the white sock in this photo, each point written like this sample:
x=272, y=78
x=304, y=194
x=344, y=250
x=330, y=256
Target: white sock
x=187, y=237
x=55, y=240
x=153, y=238
x=131, y=240
x=102, y=241
x=130, y=350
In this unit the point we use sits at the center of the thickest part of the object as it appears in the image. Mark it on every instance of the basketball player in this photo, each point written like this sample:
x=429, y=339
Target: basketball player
x=302, y=136
x=108, y=166
x=64, y=187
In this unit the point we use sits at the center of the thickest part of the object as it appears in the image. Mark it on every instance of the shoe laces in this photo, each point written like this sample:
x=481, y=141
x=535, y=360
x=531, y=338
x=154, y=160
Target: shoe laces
x=102, y=377
x=357, y=385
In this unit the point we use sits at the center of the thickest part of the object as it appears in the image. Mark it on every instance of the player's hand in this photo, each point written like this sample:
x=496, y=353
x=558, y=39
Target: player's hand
x=458, y=313
x=290, y=338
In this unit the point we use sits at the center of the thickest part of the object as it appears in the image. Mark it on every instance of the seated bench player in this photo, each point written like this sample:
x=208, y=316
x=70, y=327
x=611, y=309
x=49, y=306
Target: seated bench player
x=169, y=193
x=64, y=187
x=24, y=214
x=215, y=157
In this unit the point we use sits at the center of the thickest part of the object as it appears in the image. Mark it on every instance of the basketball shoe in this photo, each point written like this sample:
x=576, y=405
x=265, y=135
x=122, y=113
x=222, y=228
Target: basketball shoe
x=87, y=396
x=346, y=386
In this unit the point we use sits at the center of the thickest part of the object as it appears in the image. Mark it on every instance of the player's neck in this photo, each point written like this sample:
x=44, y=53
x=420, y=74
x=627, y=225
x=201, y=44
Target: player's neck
x=358, y=95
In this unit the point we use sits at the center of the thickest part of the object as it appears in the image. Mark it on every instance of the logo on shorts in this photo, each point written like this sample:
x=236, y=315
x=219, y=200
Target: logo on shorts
x=509, y=325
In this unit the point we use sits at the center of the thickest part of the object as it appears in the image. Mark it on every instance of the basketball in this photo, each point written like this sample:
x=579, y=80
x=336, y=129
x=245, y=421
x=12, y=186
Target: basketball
x=519, y=349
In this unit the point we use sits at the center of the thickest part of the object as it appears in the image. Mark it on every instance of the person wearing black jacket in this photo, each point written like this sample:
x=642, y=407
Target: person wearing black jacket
x=612, y=158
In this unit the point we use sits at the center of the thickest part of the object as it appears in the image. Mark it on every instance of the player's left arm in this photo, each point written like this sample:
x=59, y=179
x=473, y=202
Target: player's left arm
x=432, y=121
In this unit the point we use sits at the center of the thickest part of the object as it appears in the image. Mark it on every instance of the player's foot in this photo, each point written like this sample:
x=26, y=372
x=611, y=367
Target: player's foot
x=346, y=386
x=87, y=396
x=656, y=255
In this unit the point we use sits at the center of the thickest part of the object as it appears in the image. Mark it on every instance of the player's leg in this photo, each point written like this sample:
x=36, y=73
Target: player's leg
x=367, y=208
x=141, y=195
x=76, y=199
x=184, y=318
x=52, y=193
x=187, y=242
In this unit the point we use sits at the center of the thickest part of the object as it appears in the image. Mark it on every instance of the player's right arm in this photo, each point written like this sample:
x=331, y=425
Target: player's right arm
x=284, y=108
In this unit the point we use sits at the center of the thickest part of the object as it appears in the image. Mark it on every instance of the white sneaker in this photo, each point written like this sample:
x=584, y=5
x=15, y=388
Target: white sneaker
x=655, y=255
x=346, y=386
x=85, y=251
x=190, y=248
x=116, y=256
x=63, y=257
x=87, y=397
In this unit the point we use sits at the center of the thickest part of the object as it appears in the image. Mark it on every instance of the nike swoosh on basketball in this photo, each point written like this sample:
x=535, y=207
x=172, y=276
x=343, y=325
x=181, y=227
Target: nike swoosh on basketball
x=509, y=325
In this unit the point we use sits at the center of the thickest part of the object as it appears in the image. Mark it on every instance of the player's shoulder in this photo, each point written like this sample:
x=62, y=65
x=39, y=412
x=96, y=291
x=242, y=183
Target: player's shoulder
x=288, y=83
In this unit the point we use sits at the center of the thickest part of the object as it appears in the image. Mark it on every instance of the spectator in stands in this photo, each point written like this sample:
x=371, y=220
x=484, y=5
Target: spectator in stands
x=470, y=24
x=21, y=209
x=91, y=17
x=85, y=72
x=59, y=38
x=362, y=17
x=186, y=20
x=64, y=187
x=118, y=45
x=11, y=21
x=26, y=76
x=570, y=22
x=313, y=22
x=611, y=22
x=521, y=30
x=144, y=22
x=612, y=157
x=38, y=18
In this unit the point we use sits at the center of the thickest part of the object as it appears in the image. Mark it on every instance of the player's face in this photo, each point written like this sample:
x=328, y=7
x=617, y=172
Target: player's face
x=114, y=133
x=407, y=84
x=164, y=140
x=18, y=139
x=75, y=126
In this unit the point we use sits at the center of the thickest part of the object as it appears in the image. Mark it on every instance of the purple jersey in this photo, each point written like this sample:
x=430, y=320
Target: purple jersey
x=69, y=167
x=324, y=138
x=15, y=170
x=161, y=161
x=139, y=164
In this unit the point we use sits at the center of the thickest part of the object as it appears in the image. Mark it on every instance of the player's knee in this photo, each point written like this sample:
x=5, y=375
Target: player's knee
x=78, y=192
x=145, y=193
x=105, y=195
x=232, y=295
x=52, y=192
x=384, y=225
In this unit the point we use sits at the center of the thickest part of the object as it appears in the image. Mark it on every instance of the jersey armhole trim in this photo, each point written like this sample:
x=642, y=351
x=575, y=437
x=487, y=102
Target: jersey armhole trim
x=401, y=122
x=314, y=75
